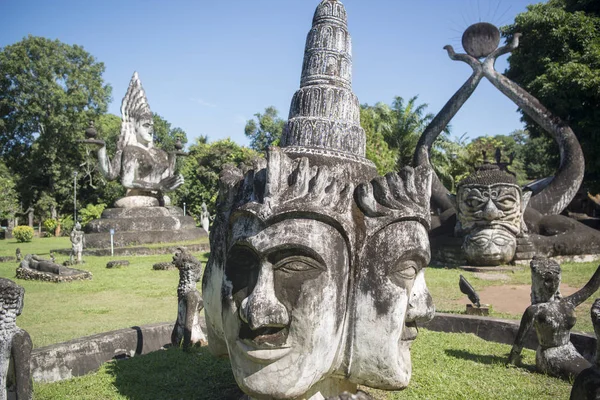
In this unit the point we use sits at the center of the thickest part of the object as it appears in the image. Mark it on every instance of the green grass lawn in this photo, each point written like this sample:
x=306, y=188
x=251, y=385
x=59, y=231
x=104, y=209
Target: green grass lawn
x=445, y=366
x=113, y=299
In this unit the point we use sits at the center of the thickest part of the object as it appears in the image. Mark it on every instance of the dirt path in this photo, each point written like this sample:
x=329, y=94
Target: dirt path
x=513, y=299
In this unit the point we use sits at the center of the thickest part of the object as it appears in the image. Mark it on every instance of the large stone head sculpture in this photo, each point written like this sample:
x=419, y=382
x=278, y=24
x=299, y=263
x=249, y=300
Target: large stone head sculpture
x=315, y=280
x=138, y=125
x=490, y=207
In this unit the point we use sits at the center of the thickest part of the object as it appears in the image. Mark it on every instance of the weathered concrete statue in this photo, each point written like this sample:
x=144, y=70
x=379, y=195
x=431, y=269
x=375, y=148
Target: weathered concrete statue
x=77, y=244
x=15, y=345
x=553, y=316
x=315, y=283
x=34, y=267
x=205, y=218
x=18, y=254
x=489, y=204
x=146, y=172
x=587, y=383
x=189, y=302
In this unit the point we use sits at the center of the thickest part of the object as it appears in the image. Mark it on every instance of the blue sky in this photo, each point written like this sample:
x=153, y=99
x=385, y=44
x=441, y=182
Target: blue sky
x=208, y=66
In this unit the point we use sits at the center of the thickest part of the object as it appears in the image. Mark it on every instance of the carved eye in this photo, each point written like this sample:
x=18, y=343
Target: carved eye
x=506, y=202
x=480, y=241
x=474, y=203
x=407, y=269
x=297, y=264
x=501, y=241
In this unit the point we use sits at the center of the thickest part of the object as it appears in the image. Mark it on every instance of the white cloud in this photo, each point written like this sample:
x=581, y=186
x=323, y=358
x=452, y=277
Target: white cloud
x=203, y=103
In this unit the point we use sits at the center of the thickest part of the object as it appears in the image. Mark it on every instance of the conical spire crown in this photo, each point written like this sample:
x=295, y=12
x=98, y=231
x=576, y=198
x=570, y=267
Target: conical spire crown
x=325, y=114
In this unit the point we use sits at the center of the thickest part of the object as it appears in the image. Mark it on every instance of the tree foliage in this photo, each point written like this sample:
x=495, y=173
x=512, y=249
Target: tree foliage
x=265, y=129
x=377, y=149
x=9, y=203
x=201, y=171
x=558, y=61
x=48, y=92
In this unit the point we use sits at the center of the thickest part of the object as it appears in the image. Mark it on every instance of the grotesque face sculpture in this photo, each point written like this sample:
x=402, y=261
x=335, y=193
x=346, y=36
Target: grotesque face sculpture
x=490, y=207
x=284, y=312
x=144, y=128
x=490, y=246
x=391, y=298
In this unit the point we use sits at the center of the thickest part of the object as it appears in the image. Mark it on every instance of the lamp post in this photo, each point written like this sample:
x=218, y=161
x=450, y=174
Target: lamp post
x=74, y=196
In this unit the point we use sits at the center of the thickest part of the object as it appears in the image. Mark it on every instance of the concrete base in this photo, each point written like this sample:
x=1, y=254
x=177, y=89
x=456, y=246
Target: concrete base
x=482, y=311
x=141, y=225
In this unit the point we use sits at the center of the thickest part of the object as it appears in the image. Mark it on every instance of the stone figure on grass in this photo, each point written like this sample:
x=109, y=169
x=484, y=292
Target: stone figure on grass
x=553, y=316
x=34, y=267
x=15, y=345
x=147, y=172
x=205, y=217
x=187, y=331
x=497, y=219
x=587, y=383
x=77, y=244
x=315, y=282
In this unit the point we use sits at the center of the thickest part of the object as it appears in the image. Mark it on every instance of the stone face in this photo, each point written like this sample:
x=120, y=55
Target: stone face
x=553, y=316
x=187, y=331
x=15, y=345
x=146, y=172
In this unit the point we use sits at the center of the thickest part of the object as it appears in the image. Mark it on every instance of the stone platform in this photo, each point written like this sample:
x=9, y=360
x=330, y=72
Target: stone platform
x=141, y=225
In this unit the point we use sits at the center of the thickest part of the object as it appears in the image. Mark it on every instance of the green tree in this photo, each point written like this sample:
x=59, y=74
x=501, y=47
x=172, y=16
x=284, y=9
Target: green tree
x=48, y=92
x=377, y=149
x=165, y=136
x=558, y=61
x=201, y=171
x=9, y=203
x=265, y=129
x=401, y=125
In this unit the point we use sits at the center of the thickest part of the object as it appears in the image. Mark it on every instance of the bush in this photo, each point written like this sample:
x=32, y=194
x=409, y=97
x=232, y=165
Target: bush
x=66, y=225
x=91, y=212
x=23, y=233
x=50, y=225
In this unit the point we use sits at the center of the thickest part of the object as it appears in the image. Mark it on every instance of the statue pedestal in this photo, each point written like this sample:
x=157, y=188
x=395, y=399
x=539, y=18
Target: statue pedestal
x=141, y=225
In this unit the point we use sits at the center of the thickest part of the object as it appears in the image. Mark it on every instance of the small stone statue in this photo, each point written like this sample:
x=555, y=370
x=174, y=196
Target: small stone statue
x=77, y=244
x=52, y=257
x=553, y=317
x=36, y=268
x=146, y=172
x=587, y=383
x=187, y=327
x=205, y=217
x=18, y=254
x=15, y=345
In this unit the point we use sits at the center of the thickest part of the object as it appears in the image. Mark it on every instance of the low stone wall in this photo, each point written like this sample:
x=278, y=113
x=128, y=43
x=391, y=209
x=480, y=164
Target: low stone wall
x=84, y=355
x=502, y=331
x=138, y=251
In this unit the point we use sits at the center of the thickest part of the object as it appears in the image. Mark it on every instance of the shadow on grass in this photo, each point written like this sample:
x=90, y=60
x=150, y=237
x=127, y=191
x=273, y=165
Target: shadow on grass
x=174, y=374
x=485, y=359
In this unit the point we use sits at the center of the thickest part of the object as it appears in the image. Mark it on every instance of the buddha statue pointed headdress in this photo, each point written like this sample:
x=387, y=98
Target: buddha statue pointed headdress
x=134, y=107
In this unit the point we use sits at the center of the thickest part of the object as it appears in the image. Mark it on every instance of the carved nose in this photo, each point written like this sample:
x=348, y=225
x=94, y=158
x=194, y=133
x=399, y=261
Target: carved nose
x=491, y=212
x=261, y=308
x=420, y=304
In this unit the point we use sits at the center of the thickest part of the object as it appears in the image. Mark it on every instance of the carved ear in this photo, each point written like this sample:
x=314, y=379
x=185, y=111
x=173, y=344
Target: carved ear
x=452, y=198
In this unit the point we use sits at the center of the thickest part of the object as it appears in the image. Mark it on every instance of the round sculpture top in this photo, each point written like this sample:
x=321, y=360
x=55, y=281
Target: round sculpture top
x=331, y=10
x=481, y=39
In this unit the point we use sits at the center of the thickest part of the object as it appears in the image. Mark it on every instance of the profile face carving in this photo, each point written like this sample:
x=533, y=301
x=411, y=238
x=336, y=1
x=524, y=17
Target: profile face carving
x=284, y=310
x=392, y=297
